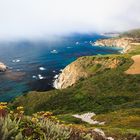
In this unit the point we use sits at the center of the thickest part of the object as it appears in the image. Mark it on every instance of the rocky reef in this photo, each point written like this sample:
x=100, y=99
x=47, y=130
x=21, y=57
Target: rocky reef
x=3, y=67
x=84, y=67
x=120, y=42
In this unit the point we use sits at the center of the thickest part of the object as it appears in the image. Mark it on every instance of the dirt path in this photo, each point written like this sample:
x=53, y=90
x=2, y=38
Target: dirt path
x=135, y=67
x=87, y=117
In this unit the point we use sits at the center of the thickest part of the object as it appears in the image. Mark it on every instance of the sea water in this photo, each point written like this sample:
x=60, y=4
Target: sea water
x=34, y=64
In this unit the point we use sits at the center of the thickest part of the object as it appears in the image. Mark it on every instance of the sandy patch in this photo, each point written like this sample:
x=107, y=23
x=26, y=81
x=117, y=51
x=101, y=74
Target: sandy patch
x=135, y=67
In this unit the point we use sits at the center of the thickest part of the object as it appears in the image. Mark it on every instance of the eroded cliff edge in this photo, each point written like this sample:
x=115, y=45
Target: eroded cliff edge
x=125, y=43
x=85, y=67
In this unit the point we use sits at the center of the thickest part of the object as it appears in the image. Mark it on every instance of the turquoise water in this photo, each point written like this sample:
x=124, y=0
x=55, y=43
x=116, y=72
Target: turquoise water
x=33, y=64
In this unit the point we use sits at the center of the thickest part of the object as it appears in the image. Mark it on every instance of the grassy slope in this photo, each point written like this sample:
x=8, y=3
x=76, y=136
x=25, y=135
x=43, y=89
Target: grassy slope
x=100, y=93
x=113, y=95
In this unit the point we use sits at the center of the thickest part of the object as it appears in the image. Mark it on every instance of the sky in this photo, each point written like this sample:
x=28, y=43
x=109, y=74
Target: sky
x=42, y=18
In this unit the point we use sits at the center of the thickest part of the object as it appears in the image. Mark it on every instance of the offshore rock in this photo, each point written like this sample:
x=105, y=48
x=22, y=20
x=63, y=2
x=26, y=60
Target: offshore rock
x=3, y=67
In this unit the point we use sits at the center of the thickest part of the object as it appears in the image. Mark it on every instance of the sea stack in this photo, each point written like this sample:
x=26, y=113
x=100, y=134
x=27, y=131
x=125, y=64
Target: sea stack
x=3, y=67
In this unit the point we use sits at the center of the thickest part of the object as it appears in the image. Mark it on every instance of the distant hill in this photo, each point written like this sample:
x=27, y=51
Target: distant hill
x=132, y=33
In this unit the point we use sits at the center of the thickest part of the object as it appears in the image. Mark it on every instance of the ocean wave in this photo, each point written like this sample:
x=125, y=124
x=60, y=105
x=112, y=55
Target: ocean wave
x=16, y=60
x=54, y=51
x=39, y=76
x=34, y=77
x=56, y=76
x=42, y=68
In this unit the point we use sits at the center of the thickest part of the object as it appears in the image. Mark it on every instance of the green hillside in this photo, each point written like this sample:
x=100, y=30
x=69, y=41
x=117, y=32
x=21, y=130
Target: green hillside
x=110, y=93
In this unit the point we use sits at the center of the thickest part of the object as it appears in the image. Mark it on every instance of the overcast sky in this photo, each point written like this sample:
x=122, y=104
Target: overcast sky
x=39, y=18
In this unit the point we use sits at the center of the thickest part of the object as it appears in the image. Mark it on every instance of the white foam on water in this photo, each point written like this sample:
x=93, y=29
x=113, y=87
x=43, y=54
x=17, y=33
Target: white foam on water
x=56, y=84
x=34, y=77
x=16, y=60
x=54, y=51
x=40, y=77
x=56, y=76
x=42, y=68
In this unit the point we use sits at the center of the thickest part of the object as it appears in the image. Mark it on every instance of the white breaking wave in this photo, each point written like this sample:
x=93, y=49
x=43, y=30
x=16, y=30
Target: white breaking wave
x=16, y=60
x=56, y=76
x=56, y=81
x=56, y=84
x=42, y=68
x=40, y=77
x=34, y=77
x=54, y=51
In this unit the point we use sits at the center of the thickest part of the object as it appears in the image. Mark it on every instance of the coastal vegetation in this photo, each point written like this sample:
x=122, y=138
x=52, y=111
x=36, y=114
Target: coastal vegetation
x=110, y=93
x=14, y=125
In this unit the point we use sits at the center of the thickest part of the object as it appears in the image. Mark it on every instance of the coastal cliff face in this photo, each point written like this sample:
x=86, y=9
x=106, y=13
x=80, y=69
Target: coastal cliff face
x=3, y=67
x=83, y=68
x=123, y=42
x=70, y=75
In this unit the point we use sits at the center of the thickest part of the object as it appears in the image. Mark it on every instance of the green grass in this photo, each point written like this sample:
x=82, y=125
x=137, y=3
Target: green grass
x=104, y=92
x=124, y=118
x=135, y=50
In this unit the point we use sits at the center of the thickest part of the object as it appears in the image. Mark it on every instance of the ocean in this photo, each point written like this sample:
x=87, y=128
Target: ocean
x=34, y=64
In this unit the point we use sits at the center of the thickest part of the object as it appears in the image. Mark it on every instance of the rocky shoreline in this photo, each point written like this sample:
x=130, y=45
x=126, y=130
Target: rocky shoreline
x=75, y=71
x=124, y=43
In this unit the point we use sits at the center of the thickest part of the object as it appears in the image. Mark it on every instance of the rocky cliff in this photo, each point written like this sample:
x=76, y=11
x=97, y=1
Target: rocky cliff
x=83, y=68
x=122, y=42
x=3, y=67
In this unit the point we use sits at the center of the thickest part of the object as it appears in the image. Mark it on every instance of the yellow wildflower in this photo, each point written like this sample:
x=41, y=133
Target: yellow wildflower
x=34, y=120
x=3, y=103
x=20, y=108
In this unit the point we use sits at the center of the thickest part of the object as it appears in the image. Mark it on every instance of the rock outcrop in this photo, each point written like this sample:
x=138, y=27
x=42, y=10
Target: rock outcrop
x=83, y=68
x=122, y=42
x=3, y=67
x=70, y=75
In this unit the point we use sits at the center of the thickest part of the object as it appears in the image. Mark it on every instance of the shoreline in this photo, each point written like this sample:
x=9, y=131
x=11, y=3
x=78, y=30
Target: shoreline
x=123, y=43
